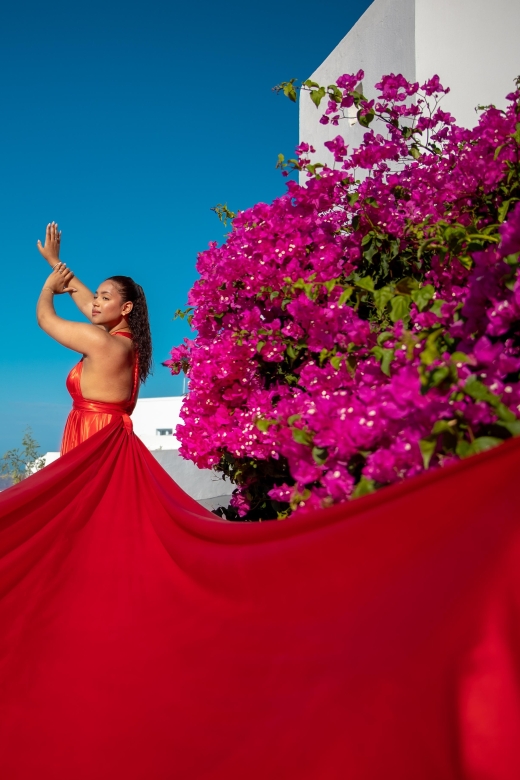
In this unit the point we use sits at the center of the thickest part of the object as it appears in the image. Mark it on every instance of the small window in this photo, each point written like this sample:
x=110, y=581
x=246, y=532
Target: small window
x=164, y=431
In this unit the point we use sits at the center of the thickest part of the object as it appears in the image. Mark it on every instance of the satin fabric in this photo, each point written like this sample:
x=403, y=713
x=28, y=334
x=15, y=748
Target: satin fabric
x=87, y=416
x=143, y=638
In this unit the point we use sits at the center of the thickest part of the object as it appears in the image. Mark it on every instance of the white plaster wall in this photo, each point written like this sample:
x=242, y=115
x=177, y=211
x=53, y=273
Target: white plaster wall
x=197, y=483
x=153, y=413
x=474, y=47
x=471, y=44
x=382, y=41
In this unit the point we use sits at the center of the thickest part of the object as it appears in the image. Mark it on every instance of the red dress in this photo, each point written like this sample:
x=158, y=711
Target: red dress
x=143, y=639
x=87, y=417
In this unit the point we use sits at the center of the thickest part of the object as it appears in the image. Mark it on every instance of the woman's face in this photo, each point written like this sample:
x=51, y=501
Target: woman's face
x=108, y=307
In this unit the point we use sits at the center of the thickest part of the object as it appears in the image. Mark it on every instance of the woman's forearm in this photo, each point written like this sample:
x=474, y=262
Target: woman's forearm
x=82, y=297
x=45, y=307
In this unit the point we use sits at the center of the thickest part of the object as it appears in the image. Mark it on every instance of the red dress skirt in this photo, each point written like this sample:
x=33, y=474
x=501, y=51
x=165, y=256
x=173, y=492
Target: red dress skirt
x=142, y=638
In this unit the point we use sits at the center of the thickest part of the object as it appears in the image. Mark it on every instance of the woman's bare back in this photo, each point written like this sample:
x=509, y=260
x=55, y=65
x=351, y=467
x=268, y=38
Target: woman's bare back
x=108, y=375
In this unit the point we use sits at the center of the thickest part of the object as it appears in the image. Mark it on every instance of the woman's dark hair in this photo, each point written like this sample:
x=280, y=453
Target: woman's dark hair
x=138, y=321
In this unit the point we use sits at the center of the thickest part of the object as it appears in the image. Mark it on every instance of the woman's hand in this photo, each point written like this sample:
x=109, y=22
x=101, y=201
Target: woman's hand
x=59, y=279
x=51, y=249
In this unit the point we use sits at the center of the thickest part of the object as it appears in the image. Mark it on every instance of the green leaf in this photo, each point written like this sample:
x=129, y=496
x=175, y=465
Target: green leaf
x=382, y=296
x=289, y=91
x=443, y=426
x=292, y=419
x=439, y=376
x=513, y=427
x=336, y=362
x=309, y=83
x=365, y=118
x=437, y=306
x=353, y=198
x=479, y=392
x=319, y=455
x=502, y=211
x=463, y=449
x=430, y=352
x=364, y=487
x=301, y=437
x=365, y=282
x=264, y=424
x=317, y=96
x=345, y=295
x=260, y=346
x=461, y=357
x=334, y=93
x=384, y=337
x=504, y=413
x=465, y=261
x=423, y=296
x=484, y=443
x=406, y=285
x=414, y=151
x=400, y=308
x=385, y=357
x=427, y=447
x=372, y=250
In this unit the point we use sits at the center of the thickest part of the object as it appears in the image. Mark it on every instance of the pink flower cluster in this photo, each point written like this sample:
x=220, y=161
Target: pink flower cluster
x=350, y=335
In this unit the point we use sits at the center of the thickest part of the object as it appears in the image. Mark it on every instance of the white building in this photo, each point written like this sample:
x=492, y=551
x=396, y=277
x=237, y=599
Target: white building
x=155, y=421
x=471, y=44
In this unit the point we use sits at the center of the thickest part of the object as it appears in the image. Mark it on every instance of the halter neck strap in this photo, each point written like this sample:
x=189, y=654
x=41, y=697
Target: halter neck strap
x=122, y=333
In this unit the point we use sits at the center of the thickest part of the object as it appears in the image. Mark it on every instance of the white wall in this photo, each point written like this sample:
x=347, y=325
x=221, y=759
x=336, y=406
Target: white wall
x=472, y=45
x=151, y=414
x=382, y=41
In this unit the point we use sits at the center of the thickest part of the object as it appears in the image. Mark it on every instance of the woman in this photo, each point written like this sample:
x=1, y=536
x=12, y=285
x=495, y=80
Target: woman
x=106, y=380
x=140, y=641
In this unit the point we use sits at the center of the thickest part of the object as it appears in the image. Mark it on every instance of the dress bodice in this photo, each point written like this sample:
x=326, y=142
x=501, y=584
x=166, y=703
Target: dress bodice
x=89, y=416
x=88, y=404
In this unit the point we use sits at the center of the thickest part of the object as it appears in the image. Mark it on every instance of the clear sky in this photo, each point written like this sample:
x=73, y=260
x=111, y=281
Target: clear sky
x=125, y=122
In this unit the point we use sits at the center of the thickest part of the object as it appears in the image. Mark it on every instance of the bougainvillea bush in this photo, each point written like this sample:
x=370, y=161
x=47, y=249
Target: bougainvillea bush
x=365, y=326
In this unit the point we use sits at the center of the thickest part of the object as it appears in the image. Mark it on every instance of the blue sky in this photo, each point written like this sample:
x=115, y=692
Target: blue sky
x=125, y=122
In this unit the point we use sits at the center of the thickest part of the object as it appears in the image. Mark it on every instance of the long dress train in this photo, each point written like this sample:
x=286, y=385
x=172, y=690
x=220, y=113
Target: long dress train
x=143, y=638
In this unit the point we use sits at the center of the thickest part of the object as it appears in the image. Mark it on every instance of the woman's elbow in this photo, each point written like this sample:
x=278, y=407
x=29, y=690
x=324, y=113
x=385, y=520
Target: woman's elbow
x=42, y=319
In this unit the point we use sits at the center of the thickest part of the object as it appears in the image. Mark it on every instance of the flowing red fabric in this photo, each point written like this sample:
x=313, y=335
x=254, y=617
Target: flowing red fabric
x=143, y=638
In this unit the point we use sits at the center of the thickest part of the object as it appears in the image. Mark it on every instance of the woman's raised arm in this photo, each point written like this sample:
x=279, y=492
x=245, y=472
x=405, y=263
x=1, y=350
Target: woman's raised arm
x=50, y=250
x=78, y=336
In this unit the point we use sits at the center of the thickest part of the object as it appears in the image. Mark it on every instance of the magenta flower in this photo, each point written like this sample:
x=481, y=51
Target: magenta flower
x=360, y=329
x=510, y=233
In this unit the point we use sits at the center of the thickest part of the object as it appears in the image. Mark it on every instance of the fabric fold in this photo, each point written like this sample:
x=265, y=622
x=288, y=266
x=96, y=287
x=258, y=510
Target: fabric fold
x=142, y=637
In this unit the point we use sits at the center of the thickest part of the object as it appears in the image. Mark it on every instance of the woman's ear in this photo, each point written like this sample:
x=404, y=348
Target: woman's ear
x=127, y=308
